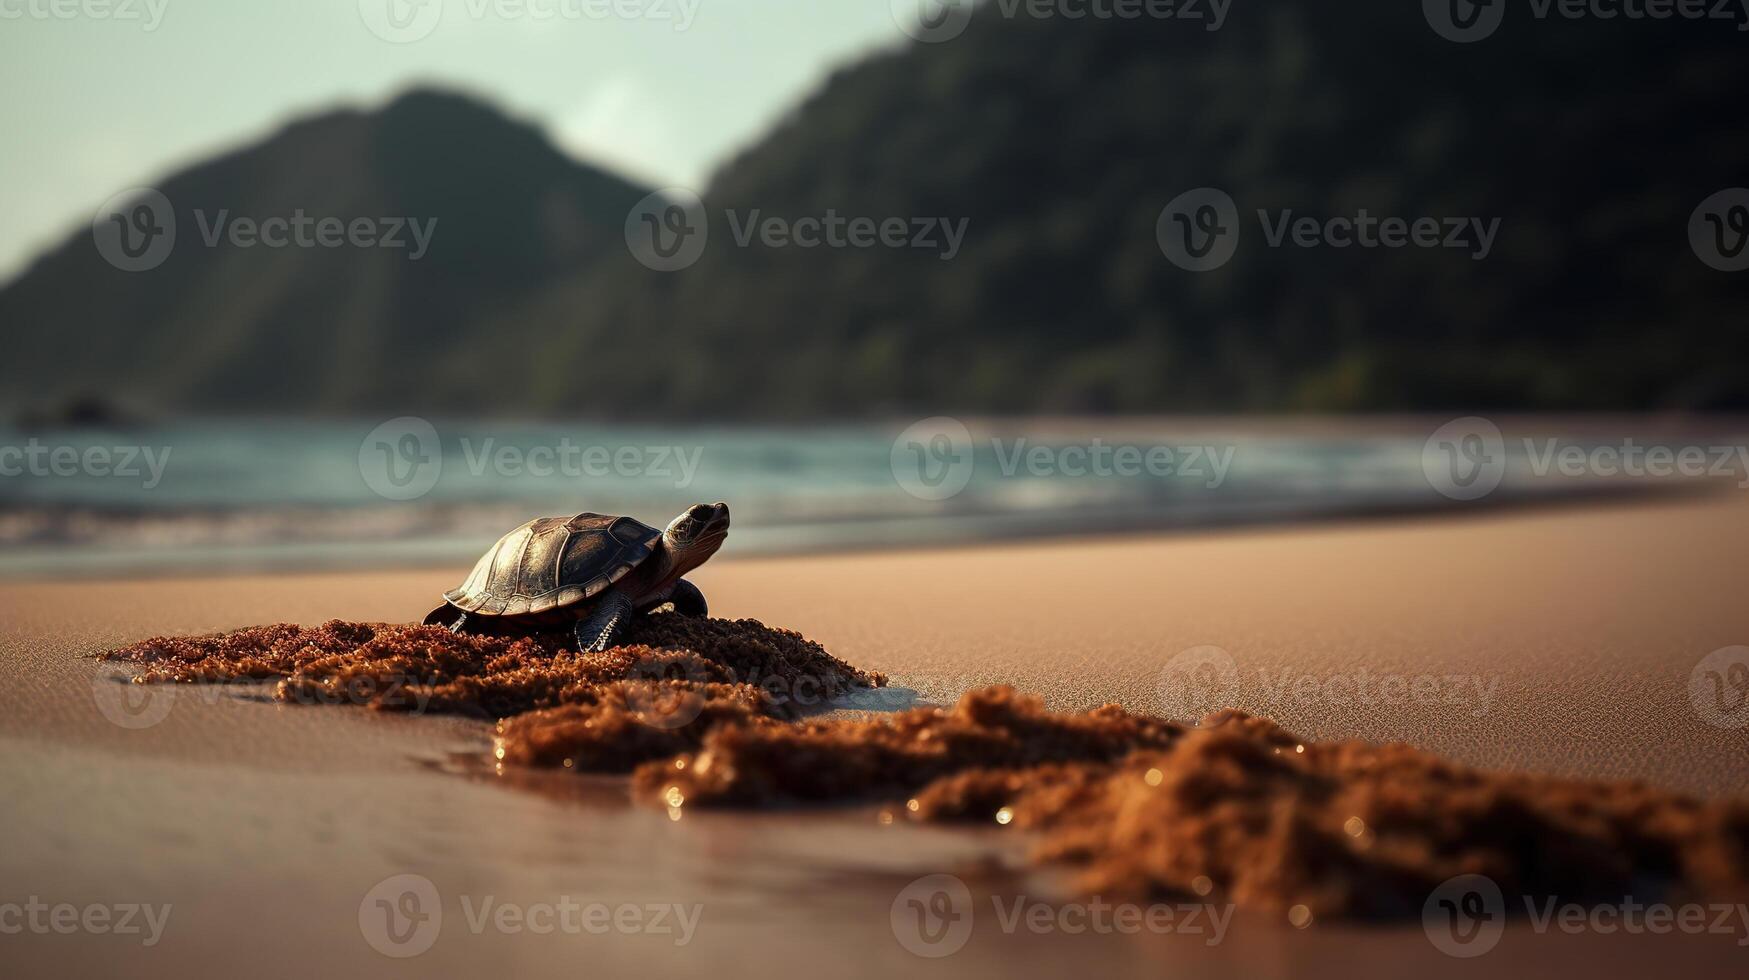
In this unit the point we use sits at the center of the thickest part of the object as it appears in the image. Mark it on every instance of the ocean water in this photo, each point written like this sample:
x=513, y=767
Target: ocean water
x=203, y=495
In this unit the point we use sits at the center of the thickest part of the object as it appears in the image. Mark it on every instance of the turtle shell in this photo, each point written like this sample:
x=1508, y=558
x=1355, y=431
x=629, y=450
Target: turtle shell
x=552, y=562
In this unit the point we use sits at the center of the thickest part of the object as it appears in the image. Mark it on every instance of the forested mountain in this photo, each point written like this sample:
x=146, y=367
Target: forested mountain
x=1054, y=144
x=464, y=212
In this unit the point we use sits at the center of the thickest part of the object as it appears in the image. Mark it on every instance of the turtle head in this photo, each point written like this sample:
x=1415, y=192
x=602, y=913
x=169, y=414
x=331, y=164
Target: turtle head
x=697, y=534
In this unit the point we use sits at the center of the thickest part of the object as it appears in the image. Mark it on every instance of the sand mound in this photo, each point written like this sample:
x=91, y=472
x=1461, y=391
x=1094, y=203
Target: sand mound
x=709, y=712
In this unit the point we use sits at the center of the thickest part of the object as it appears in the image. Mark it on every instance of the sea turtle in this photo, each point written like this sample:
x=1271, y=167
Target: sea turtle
x=596, y=570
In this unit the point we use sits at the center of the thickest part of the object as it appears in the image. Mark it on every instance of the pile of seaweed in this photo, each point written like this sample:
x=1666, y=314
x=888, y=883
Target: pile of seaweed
x=708, y=712
x=676, y=678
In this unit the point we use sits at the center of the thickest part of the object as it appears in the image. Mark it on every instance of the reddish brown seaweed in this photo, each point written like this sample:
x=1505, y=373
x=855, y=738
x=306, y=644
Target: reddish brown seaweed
x=709, y=712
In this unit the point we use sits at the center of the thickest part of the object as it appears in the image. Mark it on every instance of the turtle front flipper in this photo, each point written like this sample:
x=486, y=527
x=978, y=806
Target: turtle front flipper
x=604, y=626
x=688, y=600
x=446, y=616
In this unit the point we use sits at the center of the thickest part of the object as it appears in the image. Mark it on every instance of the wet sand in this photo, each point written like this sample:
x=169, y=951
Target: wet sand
x=1551, y=642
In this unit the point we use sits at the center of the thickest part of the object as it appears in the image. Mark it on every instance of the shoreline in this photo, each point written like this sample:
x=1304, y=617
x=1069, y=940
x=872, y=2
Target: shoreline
x=304, y=498
x=799, y=539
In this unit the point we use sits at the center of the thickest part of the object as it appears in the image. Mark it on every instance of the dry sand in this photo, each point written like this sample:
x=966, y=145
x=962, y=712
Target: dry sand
x=1559, y=642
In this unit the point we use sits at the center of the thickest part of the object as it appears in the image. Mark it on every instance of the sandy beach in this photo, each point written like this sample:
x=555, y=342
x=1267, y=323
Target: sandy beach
x=1553, y=641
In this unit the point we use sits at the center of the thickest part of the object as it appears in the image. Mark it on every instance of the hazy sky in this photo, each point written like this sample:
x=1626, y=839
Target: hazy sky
x=101, y=95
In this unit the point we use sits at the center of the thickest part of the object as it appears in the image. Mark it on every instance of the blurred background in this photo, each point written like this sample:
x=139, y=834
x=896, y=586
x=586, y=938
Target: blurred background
x=330, y=282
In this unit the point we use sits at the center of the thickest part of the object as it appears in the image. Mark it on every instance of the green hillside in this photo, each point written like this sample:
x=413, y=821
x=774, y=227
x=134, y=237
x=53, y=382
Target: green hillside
x=1055, y=144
